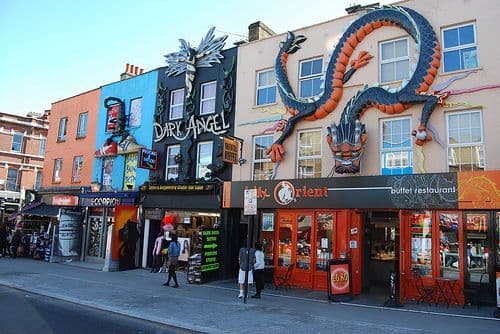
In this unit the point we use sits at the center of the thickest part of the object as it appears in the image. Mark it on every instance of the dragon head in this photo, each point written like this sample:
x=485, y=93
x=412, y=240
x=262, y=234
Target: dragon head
x=347, y=141
x=292, y=43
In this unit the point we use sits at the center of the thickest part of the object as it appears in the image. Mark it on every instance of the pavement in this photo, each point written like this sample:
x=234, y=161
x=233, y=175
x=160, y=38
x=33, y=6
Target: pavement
x=214, y=307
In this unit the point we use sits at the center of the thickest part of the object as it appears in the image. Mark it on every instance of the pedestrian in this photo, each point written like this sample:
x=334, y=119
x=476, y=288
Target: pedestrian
x=3, y=240
x=246, y=259
x=16, y=244
x=258, y=270
x=173, y=252
x=157, y=252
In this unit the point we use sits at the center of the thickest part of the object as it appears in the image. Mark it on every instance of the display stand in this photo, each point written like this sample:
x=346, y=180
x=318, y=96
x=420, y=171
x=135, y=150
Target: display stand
x=339, y=280
x=194, y=269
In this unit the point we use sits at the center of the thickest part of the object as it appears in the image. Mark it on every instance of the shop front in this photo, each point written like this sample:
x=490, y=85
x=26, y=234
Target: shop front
x=412, y=225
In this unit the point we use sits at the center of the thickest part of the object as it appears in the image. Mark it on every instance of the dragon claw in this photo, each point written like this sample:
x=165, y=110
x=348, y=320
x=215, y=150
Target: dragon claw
x=421, y=136
x=363, y=59
x=277, y=152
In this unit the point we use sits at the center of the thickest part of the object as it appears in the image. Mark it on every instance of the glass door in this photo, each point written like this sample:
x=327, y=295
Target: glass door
x=323, y=246
x=478, y=246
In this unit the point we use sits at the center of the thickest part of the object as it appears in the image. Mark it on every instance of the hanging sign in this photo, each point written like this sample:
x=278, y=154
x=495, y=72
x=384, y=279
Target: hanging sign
x=230, y=150
x=148, y=159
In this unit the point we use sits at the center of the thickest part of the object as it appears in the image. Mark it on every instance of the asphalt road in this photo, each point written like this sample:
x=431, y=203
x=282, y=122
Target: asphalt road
x=24, y=312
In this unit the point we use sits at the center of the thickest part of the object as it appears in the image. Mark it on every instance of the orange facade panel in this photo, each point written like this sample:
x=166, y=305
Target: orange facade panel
x=479, y=190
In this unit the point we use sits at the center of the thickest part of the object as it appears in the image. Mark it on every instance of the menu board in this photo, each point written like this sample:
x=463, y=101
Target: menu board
x=211, y=249
x=421, y=242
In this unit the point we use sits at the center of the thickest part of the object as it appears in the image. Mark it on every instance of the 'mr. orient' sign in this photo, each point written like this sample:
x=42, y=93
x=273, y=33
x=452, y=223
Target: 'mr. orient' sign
x=215, y=123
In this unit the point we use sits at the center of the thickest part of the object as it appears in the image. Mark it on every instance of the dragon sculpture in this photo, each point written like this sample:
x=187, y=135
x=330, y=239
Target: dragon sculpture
x=347, y=139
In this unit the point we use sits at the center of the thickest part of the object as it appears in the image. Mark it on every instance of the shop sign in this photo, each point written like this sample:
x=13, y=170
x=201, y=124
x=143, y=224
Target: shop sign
x=65, y=200
x=107, y=199
x=230, y=150
x=418, y=191
x=339, y=280
x=195, y=126
x=211, y=249
x=177, y=187
x=148, y=159
x=153, y=214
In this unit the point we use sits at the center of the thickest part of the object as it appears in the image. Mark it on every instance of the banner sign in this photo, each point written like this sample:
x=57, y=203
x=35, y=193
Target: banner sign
x=108, y=199
x=177, y=187
x=68, y=233
x=148, y=159
x=415, y=191
x=339, y=280
x=211, y=242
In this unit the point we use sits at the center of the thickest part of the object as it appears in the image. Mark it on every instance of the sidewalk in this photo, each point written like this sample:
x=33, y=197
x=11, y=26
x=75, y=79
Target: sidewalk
x=215, y=308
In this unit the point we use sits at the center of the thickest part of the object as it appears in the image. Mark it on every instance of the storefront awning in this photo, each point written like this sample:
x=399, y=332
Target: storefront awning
x=42, y=210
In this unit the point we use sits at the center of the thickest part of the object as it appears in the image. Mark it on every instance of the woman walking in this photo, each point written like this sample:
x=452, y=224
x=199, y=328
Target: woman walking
x=173, y=252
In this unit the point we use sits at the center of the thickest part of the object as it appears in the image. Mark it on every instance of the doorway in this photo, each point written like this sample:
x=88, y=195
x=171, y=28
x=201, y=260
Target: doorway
x=381, y=255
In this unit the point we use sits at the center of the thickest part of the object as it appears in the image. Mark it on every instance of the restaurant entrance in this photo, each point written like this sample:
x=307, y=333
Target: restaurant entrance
x=305, y=239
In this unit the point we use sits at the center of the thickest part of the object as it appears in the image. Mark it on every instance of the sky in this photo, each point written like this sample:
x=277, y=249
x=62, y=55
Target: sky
x=54, y=49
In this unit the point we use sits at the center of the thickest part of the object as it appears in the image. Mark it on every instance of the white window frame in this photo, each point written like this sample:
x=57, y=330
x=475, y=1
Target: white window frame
x=57, y=179
x=258, y=88
x=208, y=98
x=81, y=130
x=9, y=181
x=43, y=146
x=394, y=60
x=396, y=150
x=172, y=106
x=169, y=175
x=308, y=77
x=459, y=47
x=20, y=143
x=198, y=165
x=479, y=145
x=74, y=177
x=309, y=157
x=63, y=129
x=256, y=160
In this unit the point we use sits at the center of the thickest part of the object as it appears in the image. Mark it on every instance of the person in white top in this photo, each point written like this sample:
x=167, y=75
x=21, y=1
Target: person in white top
x=258, y=271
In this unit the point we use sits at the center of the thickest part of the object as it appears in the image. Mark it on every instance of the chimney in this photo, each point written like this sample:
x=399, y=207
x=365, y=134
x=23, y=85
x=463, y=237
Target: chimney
x=258, y=30
x=131, y=71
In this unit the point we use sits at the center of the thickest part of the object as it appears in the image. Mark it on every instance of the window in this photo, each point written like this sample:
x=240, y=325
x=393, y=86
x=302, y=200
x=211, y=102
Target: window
x=38, y=180
x=17, y=142
x=12, y=175
x=43, y=145
x=266, y=87
x=176, y=104
x=449, y=250
x=207, y=101
x=135, y=112
x=76, y=173
x=172, y=167
x=421, y=242
x=56, y=177
x=204, y=159
x=81, y=131
x=465, y=141
x=396, y=147
x=63, y=128
x=459, y=48
x=310, y=77
x=262, y=164
x=394, y=60
x=309, y=154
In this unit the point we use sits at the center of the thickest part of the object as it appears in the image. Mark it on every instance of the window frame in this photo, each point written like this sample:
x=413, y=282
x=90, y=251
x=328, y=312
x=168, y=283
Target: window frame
x=264, y=87
x=459, y=47
x=171, y=105
x=214, y=98
x=38, y=179
x=79, y=133
x=384, y=151
x=8, y=180
x=258, y=161
x=309, y=157
x=18, y=134
x=198, y=145
x=56, y=161
x=63, y=127
x=77, y=178
x=309, y=77
x=394, y=60
x=469, y=144
x=167, y=166
x=43, y=146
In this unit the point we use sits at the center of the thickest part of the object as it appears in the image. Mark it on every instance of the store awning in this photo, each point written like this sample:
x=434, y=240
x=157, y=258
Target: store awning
x=42, y=210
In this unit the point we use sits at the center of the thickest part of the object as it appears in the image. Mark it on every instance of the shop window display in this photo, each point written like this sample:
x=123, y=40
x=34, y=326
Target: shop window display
x=266, y=238
x=285, y=241
x=421, y=242
x=449, y=250
x=477, y=246
x=304, y=242
x=324, y=240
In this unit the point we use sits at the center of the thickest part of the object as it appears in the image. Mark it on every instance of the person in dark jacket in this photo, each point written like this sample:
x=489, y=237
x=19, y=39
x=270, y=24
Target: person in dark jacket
x=15, y=243
x=174, y=249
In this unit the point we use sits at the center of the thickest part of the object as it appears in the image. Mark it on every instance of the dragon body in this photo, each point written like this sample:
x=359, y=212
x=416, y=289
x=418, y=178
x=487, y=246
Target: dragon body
x=347, y=139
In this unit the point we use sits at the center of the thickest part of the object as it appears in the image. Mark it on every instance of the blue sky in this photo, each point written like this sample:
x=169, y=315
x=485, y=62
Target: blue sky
x=54, y=49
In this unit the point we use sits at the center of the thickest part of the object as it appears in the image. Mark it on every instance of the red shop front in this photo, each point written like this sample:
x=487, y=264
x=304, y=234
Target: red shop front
x=410, y=224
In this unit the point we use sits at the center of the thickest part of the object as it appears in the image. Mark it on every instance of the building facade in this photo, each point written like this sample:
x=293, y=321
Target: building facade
x=364, y=142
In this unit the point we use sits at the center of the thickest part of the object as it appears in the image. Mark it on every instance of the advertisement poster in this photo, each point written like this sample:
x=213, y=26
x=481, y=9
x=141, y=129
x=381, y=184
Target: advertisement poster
x=339, y=280
x=124, y=235
x=130, y=171
x=68, y=233
x=477, y=222
x=135, y=112
x=185, y=247
x=268, y=222
x=107, y=174
x=112, y=117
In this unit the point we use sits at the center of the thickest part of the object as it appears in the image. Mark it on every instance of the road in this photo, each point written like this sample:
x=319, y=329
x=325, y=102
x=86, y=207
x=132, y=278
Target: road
x=24, y=312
